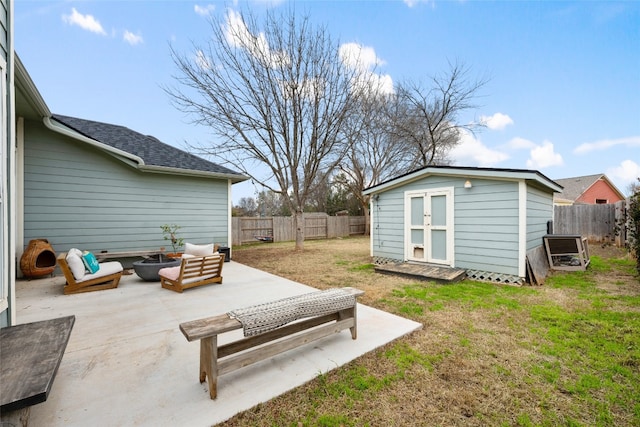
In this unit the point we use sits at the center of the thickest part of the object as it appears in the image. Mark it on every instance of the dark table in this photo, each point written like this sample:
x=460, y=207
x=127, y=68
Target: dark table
x=30, y=355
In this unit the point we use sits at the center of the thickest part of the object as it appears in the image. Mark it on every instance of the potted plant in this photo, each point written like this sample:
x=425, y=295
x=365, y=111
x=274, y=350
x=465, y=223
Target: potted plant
x=170, y=232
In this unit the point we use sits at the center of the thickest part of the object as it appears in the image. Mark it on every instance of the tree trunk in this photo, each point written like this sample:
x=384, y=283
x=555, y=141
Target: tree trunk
x=298, y=222
x=367, y=221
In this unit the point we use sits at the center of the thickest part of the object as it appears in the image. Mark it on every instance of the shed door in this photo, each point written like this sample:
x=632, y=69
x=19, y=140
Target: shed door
x=429, y=219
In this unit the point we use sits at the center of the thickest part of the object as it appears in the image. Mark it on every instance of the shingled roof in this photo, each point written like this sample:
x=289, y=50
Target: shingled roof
x=152, y=151
x=576, y=186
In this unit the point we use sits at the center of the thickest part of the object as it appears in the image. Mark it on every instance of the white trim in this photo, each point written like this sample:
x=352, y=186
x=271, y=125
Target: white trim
x=371, y=228
x=19, y=195
x=468, y=172
x=5, y=199
x=522, y=228
x=58, y=128
x=229, y=218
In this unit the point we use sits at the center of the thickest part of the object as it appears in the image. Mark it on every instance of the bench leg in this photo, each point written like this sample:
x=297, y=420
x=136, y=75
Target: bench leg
x=350, y=313
x=354, y=328
x=209, y=363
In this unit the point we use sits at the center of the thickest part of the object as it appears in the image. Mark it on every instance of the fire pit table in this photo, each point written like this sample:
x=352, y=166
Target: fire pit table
x=148, y=268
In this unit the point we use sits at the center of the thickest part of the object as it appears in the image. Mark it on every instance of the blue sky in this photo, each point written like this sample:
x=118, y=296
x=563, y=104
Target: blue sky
x=563, y=95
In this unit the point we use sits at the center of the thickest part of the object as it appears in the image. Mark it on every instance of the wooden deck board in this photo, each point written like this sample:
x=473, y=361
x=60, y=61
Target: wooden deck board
x=423, y=271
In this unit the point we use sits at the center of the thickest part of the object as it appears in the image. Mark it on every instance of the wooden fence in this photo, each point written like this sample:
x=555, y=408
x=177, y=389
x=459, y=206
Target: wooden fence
x=598, y=223
x=281, y=228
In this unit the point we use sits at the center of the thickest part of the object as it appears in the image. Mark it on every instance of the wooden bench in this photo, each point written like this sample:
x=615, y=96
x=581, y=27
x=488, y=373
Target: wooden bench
x=101, y=256
x=31, y=355
x=218, y=360
x=92, y=282
x=192, y=272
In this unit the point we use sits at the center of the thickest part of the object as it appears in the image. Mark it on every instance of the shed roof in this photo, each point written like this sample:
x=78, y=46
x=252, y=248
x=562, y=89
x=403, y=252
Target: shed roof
x=576, y=186
x=470, y=172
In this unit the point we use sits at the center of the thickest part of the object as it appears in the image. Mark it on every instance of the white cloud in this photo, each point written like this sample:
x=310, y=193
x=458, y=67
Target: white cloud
x=520, y=144
x=202, y=61
x=132, y=39
x=86, y=22
x=472, y=152
x=604, y=144
x=412, y=3
x=544, y=156
x=204, y=10
x=498, y=121
x=238, y=35
x=627, y=173
x=360, y=57
x=364, y=60
x=373, y=84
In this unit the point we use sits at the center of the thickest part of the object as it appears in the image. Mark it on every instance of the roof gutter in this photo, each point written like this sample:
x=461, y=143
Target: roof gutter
x=63, y=130
x=234, y=178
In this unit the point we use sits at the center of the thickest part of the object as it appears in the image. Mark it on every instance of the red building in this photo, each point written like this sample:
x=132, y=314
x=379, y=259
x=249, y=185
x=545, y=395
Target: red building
x=589, y=190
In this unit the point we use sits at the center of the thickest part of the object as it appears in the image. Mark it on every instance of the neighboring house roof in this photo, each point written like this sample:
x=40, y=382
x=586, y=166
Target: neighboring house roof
x=469, y=172
x=576, y=186
x=149, y=149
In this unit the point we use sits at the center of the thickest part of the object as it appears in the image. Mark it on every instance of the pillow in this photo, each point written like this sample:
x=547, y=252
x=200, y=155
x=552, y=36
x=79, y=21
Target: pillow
x=90, y=262
x=74, y=260
x=198, y=250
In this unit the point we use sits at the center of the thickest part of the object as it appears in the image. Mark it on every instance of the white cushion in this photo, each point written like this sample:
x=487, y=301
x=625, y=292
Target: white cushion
x=171, y=273
x=76, y=265
x=198, y=250
x=197, y=279
x=106, y=268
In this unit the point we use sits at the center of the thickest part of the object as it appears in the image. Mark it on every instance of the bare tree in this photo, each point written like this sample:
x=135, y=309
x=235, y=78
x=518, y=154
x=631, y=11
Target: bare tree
x=272, y=204
x=375, y=153
x=427, y=118
x=415, y=127
x=247, y=206
x=275, y=95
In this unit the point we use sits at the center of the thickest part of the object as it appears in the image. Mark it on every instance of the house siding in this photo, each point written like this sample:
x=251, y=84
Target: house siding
x=539, y=212
x=79, y=196
x=4, y=28
x=387, y=236
x=486, y=226
x=599, y=190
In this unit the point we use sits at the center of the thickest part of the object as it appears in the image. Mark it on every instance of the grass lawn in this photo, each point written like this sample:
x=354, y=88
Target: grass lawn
x=566, y=353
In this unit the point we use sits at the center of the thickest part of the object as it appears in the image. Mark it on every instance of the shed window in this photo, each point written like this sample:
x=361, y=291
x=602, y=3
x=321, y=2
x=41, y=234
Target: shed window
x=601, y=201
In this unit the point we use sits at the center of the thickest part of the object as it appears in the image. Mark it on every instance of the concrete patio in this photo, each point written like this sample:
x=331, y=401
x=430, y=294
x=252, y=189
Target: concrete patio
x=127, y=363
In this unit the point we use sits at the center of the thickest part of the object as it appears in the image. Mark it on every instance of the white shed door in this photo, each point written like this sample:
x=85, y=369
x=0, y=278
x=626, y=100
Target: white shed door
x=429, y=231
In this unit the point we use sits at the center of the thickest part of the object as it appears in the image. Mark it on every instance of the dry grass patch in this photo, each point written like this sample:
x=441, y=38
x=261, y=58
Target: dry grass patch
x=567, y=353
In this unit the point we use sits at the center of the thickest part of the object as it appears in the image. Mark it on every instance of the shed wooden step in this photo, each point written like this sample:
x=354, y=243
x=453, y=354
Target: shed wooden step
x=423, y=271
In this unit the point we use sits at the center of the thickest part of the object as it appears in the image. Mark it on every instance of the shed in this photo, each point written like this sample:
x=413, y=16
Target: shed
x=482, y=220
x=104, y=187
